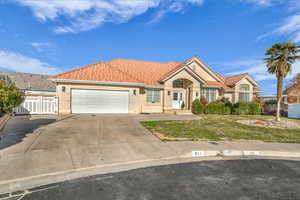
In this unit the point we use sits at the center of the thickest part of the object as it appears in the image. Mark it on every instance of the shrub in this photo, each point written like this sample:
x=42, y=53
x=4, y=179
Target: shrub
x=10, y=97
x=217, y=107
x=197, y=107
x=243, y=108
x=273, y=101
x=254, y=108
x=228, y=108
x=203, y=101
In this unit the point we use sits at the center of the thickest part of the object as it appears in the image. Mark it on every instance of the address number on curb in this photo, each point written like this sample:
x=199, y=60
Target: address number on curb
x=197, y=153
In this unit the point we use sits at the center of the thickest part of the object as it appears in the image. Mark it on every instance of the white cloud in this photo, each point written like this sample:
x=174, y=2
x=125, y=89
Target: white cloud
x=261, y=2
x=290, y=26
x=20, y=63
x=41, y=46
x=257, y=68
x=88, y=14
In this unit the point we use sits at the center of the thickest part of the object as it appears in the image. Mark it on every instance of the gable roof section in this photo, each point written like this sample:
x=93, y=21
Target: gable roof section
x=205, y=67
x=216, y=84
x=232, y=80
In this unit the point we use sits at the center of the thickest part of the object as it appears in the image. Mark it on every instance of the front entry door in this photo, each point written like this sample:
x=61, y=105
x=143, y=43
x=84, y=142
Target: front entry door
x=177, y=99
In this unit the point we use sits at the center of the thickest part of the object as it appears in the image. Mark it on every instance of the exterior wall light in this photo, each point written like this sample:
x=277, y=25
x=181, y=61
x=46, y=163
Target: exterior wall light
x=197, y=94
x=134, y=91
x=169, y=93
x=63, y=89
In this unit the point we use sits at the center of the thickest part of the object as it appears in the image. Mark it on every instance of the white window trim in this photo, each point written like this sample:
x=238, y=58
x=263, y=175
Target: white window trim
x=153, y=100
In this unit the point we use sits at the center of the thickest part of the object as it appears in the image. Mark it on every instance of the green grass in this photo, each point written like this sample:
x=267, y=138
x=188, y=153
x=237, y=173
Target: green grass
x=222, y=127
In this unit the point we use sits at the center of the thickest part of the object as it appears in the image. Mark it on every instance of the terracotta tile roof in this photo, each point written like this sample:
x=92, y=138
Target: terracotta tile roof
x=231, y=80
x=216, y=84
x=223, y=78
x=122, y=70
x=149, y=72
x=292, y=89
x=136, y=71
x=257, y=90
x=98, y=72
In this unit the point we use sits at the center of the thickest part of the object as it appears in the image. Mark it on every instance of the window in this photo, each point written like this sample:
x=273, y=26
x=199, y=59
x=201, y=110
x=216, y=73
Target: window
x=178, y=84
x=153, y=95
x=210, y=94
x=244, y=97
x=244, y=87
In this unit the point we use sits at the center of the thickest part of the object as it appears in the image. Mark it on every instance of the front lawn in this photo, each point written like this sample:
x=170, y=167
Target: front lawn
x=221, y=127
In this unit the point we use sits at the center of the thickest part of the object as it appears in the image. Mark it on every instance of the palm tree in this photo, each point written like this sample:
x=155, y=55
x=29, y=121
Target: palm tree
x=280, y=58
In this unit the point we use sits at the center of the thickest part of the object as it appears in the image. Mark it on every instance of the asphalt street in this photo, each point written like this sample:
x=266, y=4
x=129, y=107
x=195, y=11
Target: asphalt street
x=231, y=179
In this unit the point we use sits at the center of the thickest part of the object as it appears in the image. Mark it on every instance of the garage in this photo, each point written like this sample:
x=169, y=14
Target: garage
x=99, y=101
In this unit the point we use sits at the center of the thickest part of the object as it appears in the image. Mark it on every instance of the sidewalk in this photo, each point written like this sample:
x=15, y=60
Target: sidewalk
x=35, y=168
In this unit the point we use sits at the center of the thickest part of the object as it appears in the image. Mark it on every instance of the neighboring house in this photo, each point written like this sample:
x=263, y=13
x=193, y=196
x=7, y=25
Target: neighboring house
x=264, y=98
x=40, y=93
x=132, y=86
x=293, y=93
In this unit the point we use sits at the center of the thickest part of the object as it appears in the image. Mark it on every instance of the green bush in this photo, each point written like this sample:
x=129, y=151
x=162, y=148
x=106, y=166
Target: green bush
x=243, y=108
x=10, y=97
x=271, y=101
x=228, y=108
x=218, y=107
x=240, y=108
x=254, y=108
x=197, y=107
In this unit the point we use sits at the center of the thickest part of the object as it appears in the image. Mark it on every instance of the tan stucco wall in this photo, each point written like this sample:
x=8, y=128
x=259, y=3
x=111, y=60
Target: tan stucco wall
x=229, y=96
x=202, y=73
x=64, y=98
x=237, y=86
x=169, y=87
x=151, y=107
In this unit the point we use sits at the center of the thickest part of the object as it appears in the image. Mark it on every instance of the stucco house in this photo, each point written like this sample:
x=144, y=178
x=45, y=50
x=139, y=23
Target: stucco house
x=132, y=86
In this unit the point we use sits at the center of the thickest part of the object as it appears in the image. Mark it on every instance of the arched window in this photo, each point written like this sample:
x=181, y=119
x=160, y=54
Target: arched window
x=178, y=83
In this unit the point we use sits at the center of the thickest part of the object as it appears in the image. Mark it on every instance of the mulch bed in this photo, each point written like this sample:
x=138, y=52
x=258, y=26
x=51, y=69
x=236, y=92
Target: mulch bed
x=271, y=123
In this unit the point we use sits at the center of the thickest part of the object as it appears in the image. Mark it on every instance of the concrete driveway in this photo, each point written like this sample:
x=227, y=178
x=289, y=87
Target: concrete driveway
x=78, y=141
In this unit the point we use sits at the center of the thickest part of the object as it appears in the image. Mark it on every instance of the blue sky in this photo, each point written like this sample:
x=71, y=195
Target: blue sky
x=53, y=36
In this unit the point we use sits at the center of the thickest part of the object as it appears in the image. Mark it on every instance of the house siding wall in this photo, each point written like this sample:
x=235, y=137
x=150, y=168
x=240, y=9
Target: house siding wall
x=237, y=86
x=169, y=87
x=203, y=74
x=64, y=98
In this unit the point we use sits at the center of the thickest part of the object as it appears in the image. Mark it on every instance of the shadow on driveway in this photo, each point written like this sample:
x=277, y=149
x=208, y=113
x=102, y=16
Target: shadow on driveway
x=18, y=127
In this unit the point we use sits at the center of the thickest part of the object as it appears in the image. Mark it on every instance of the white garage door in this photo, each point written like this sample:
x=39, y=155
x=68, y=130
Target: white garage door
x=99, y=101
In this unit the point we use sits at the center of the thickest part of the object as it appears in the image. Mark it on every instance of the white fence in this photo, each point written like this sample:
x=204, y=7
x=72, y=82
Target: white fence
x=294, y=111
x=37, y=105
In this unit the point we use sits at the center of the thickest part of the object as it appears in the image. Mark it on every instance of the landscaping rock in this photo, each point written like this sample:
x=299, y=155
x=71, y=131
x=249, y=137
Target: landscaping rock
x=271, y=123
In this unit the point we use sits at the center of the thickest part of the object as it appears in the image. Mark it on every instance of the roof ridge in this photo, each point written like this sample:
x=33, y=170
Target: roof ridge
x=246, y=73
x=142, y=60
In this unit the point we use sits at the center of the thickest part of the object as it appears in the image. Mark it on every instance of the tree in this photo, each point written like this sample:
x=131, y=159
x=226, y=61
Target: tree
x=280, y=58
x=10, y=97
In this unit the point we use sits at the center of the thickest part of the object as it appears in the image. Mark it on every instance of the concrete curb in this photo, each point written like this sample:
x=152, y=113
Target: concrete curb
x=3, y=121
x=23, y=184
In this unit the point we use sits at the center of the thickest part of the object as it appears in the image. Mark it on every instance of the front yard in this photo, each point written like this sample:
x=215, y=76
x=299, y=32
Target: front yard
x=222, y=127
